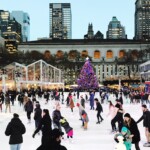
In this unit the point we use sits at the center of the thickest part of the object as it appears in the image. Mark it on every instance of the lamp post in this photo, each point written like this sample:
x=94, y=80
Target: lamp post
x=3, y=76
x=18, y=75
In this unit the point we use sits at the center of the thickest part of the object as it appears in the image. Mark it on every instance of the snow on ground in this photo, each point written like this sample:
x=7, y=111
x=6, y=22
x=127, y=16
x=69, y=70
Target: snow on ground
x=96, y=137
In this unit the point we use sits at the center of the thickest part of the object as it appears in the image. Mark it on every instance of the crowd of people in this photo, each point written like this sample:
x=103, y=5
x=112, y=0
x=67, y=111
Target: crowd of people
x=124, y=127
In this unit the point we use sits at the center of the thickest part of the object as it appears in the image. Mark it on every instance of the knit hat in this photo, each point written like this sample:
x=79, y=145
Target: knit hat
x=124, y=129
x=144, y=106
x=56, y=133
x=78, y=104
x=127, y=115
x=16, y=115
x=117, y=105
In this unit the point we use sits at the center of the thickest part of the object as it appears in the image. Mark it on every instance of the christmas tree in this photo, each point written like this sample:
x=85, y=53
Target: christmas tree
x=87, y=78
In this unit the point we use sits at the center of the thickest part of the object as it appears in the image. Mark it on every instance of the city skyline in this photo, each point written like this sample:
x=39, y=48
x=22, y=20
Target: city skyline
x=95, y=12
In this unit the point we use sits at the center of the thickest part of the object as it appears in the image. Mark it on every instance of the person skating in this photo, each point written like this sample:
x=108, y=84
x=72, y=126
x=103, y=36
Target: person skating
x=82, y=101
x=29, y=109
x=69, y=130
x=37, y=115
x=99, y=109
x=132, y=126
x=45, y=126
x=15, y=129
x=118, y=118
x=146, y=124
x=56, y=116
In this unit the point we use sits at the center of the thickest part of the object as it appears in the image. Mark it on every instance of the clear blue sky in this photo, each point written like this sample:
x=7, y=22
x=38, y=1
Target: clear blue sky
x=99, y=12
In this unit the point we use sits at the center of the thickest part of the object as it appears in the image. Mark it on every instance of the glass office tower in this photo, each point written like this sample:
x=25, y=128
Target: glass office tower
x=24, y=19
x=60, y=21
x=116, y=30
x=142, y=20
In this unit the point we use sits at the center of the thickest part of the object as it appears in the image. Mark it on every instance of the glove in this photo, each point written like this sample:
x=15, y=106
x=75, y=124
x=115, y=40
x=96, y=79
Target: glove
x=33, y=135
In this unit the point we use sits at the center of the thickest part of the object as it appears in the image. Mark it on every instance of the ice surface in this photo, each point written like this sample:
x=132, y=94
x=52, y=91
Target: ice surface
x=96, y=137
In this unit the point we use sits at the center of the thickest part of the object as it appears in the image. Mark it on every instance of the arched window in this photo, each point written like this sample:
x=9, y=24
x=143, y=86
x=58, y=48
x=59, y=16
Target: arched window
x=134, y=54
x=47, y=54
x=72, y=54
x=59, y=54
x=97, y=54
x=84, y=53
x=109, y=54
x=121, y=53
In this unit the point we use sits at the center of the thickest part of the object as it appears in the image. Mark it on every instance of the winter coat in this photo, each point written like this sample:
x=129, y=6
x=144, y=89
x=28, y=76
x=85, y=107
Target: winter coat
x=52, y=145
x=15, y=129
x=56, y=117
x=146, y=119
x=83, y=102
x=71, y=103
x=99, y=107
x=85, y=116
x=134, y=130
x=29, y=106
x=92, y=99
x=65, y=125
x=37, y=113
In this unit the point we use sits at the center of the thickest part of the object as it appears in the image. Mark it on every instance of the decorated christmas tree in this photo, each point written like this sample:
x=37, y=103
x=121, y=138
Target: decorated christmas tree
x=87, y=78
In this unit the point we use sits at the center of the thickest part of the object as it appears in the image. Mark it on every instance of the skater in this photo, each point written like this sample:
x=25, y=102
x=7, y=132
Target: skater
x=29, y=109
x=92, y=100
x=56, y=116
x=45, y=126
x=15, y=129
x=37, y=115
x=85, y=119
x=80, y=113
x=132, y=126
x=146, y=124
x=7, y=102
x=82, y=101
x=69, y=130
x=118, y=118
x=99, y=109
x=71, y=103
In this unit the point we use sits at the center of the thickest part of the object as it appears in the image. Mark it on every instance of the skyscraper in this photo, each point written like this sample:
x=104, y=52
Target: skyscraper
x=60, y=21
x=142, y=20
x=24, y=19
x=115, y=30
x=10, y=30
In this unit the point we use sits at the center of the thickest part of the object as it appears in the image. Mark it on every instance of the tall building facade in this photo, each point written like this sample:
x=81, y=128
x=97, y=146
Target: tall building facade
x=10, y=30
x=60, y=21
x=24, y=19
x=115, y=30
x=90, y=33
x=142, y=19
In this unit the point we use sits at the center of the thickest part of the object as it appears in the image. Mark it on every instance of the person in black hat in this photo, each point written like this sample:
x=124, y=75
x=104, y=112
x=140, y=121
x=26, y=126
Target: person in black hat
x=55, y=141
x=132, y=126
x=15, y=129
x=146, y=124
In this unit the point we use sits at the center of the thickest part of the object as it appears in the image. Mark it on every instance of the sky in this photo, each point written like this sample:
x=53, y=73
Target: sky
x=97, y=12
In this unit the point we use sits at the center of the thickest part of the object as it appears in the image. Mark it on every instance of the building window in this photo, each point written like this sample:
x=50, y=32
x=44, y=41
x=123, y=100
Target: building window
x=109, y=54
x=121, y=53
x=97, y=54
x=59, y=54
x=84, y=53
x=47, y=54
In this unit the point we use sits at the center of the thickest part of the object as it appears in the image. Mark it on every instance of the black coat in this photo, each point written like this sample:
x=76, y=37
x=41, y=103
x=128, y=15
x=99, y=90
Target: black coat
x=37, y=113
x=146, y=119
x=15, y=129
x=56, y=117
x=99, y=107
x=52, y=145
x=134, y=130
x=29, y=106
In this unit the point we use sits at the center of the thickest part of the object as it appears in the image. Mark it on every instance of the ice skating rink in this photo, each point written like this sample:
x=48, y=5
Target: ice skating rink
x=97, y=136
